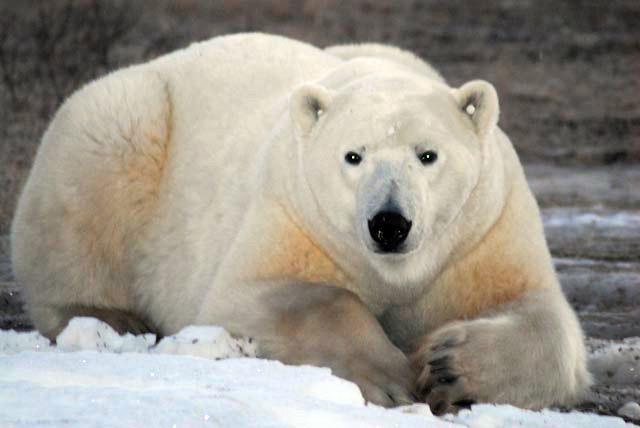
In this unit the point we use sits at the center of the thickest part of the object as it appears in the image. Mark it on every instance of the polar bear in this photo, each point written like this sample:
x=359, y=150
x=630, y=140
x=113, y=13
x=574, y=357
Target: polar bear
x=346, y=208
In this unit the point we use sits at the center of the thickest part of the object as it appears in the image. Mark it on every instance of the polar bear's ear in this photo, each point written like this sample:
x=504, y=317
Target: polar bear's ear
x=308, y=102
x=478, y=100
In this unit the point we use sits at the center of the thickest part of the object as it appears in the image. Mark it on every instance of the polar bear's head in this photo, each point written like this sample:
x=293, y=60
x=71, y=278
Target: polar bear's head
x=391, y=162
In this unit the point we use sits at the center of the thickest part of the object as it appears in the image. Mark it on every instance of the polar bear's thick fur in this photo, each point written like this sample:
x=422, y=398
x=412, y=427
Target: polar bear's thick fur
x=392, y=53
x=345, y=207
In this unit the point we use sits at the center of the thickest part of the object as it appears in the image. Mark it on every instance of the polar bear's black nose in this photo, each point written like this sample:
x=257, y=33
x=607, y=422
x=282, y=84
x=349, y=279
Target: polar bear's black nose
x=389, y=229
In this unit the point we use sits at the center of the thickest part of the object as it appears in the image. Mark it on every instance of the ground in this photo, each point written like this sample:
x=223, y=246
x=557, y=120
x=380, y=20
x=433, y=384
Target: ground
x=567, y=73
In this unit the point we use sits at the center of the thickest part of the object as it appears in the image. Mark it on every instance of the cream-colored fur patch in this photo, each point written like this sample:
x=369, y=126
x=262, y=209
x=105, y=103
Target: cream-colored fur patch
x=296, y=257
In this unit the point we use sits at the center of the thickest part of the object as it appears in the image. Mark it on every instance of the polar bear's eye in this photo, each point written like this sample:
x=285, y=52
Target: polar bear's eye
x=428, y=157
x=353, y=158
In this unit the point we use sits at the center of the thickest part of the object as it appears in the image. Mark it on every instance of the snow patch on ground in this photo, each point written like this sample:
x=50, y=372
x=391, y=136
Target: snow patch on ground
x=206, y=342
x=619, y=363
x=112, y=380
x=630, y=410
x=578, y=217
x=90, y=334
x=12, y=342
x=490, y=416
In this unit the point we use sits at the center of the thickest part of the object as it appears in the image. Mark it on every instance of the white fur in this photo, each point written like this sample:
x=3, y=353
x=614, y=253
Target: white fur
x=254, y=129
x=376, y=50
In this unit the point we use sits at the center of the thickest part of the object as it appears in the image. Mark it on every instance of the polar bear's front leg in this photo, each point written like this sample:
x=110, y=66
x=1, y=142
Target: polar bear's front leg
x=529, y=354
x=303, y=323
x=281, y=288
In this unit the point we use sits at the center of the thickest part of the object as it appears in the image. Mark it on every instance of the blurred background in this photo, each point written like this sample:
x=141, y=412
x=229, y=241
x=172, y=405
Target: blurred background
x=567, y=73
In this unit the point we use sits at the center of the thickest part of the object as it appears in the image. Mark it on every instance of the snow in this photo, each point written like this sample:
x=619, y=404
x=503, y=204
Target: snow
x=90, y=334
x=206, y=342
x=93, y=335
x=619, y=362
x=96, y=378
x=12, y=342
x=631, y=410
x=489, y=416
x=577, y=217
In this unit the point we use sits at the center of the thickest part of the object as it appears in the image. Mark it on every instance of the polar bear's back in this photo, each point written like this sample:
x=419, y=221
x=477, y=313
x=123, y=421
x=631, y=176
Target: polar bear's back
x=390, y=53
x=227, y=95
x=239, y=83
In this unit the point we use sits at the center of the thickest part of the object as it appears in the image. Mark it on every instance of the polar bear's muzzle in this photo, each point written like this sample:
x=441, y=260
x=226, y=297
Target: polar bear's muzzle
x=387, y=208
x=389, y=229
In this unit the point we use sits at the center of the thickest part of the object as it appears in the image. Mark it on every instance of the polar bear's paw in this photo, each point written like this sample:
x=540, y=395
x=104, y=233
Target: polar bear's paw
x=444, y=381
x=381, y=383
x=466, y=362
